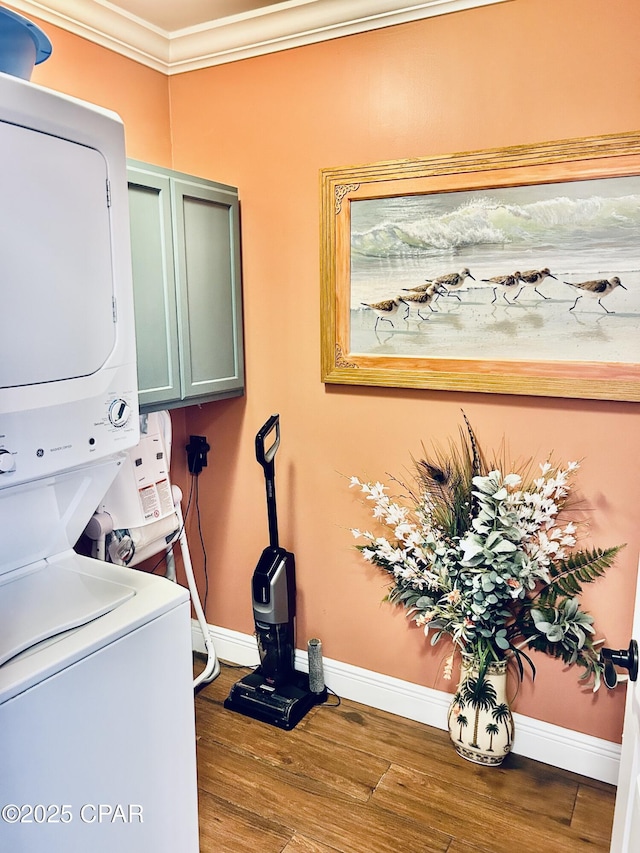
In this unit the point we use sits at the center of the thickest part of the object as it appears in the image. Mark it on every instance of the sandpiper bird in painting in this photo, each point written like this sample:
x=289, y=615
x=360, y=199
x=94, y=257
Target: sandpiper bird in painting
x=597, y=289
x=451, y=281
x=417, y=300
x=386, y=310
x=532, y=278
x=505, y=283
x=429, y=288
x=419, y=288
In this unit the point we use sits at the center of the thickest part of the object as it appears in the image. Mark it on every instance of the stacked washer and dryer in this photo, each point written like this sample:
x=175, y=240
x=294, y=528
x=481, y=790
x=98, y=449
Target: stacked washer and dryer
x=97, y=739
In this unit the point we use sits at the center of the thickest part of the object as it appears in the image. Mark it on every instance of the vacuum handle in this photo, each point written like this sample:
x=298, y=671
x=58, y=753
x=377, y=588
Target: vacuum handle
x=265, y=457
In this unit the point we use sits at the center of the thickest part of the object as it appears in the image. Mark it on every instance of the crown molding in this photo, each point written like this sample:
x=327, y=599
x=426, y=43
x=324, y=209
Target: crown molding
x=106, y=25
x=280, y=26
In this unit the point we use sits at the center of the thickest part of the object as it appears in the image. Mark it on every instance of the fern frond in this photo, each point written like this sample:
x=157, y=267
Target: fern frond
x=582, y=567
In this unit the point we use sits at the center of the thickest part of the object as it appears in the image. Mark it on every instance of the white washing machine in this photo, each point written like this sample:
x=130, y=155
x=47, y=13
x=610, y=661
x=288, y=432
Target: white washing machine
x=97, y=739
x=97, y=732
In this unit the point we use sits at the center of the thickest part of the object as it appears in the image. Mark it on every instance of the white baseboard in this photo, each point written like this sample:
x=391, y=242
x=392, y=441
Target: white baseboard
x=554, y=745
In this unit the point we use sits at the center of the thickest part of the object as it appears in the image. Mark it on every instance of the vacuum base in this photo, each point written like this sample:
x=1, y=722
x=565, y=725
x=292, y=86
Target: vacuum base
x=283, y=707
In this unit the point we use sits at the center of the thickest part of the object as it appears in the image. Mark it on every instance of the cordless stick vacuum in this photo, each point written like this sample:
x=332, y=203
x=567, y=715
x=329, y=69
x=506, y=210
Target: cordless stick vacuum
x=274, y=693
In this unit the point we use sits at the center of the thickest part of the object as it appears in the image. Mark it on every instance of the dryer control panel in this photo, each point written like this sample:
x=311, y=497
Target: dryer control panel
x=68, y=435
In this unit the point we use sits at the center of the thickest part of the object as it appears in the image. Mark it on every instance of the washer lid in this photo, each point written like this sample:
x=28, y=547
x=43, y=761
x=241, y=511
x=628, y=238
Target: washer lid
x=49, y=599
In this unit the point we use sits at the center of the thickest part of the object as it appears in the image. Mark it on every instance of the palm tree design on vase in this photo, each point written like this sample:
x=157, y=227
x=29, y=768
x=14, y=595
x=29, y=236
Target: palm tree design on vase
x=491, y=729
x=502, y=714
x=462, y=721
x=456, y=708
x=481, y=695
x=456, y=705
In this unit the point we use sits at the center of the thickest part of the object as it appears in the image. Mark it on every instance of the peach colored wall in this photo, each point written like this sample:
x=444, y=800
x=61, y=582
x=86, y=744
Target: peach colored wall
x=267, y=125
x=519, y=72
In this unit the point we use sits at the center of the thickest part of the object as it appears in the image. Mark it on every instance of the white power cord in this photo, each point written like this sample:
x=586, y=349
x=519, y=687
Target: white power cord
x=212, y=668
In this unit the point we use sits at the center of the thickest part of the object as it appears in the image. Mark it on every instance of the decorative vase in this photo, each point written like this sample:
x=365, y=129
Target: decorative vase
x=479, y=720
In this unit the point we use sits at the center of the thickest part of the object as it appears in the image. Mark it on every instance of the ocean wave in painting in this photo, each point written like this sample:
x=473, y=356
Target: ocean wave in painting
x=484, y=221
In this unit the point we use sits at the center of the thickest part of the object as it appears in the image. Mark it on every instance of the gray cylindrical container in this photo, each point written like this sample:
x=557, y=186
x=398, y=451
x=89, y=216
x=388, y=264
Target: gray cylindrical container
x=316, y=670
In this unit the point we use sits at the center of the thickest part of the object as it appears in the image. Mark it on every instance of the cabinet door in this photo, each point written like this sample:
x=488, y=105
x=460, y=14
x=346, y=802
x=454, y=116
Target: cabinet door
x=154, y=287
x=206, y=234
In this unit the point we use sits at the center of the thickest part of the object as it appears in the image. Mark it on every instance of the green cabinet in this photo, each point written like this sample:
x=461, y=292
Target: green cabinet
x=185, y=248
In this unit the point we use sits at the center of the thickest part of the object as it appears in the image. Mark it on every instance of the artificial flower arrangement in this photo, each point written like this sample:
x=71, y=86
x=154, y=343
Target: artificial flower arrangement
x=488, y=558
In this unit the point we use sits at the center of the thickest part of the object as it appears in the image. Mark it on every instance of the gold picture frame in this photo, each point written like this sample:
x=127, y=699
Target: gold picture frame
x=377, y=236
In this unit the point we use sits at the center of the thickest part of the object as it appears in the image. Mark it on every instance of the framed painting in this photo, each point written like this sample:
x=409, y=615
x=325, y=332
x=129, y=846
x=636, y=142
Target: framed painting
x=512, y=270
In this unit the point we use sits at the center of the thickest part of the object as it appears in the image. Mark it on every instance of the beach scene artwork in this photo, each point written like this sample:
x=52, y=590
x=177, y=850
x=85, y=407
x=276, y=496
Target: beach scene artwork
x=543, y=272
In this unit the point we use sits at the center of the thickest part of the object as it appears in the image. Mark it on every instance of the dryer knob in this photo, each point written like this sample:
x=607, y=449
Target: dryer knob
x=7, y=462
x=119, y=412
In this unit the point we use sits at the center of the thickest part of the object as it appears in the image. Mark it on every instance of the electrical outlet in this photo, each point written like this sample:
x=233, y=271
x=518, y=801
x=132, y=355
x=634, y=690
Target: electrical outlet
x=197, y=450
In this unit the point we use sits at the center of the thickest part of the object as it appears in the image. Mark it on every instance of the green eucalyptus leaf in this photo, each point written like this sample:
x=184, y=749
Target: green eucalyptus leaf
x=504, y=547
x=571, y=608
x=555, y=633
x=493, y=539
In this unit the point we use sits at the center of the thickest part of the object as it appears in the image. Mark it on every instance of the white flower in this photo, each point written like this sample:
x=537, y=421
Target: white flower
x=396, y=514
x=512, y=480
x=403, y=531
x=377, y=491
x=448, y=667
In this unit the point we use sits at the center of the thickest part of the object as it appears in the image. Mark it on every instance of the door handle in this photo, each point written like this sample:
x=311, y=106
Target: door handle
x=624, y=658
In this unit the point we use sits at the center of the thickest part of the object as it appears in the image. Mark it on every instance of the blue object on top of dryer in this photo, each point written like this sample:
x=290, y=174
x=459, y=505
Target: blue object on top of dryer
x=22, y=44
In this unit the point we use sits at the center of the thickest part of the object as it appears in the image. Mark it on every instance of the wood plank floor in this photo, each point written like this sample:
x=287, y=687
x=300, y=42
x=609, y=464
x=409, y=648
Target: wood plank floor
x=351, y=779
